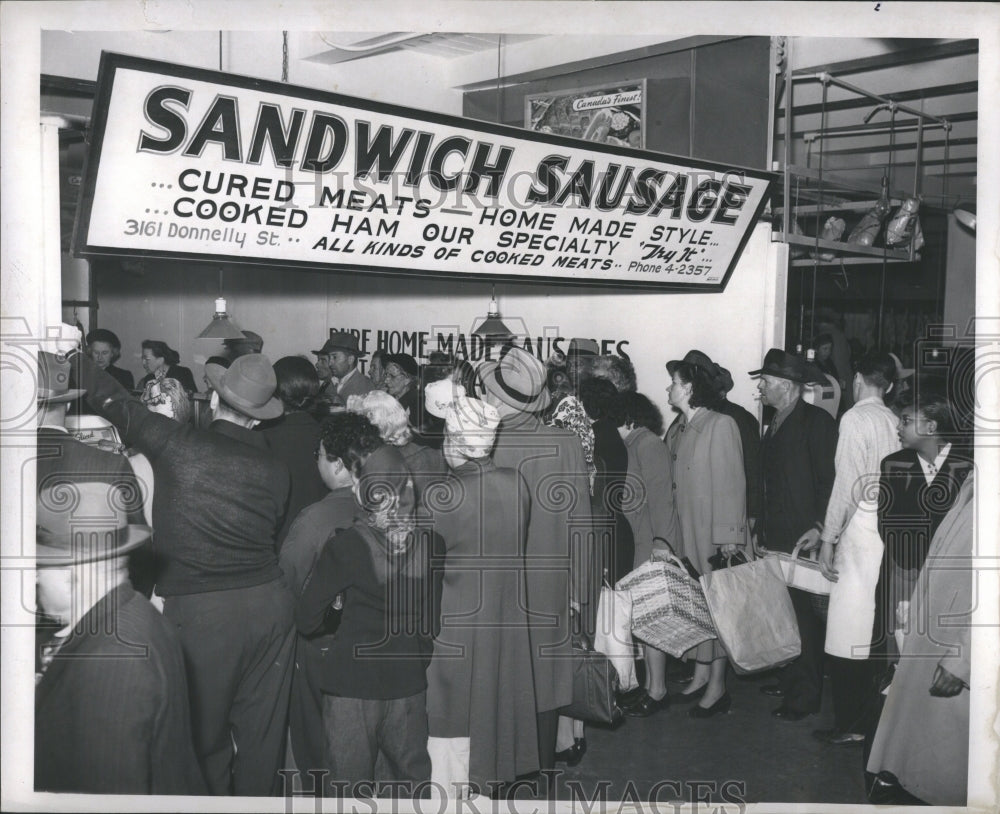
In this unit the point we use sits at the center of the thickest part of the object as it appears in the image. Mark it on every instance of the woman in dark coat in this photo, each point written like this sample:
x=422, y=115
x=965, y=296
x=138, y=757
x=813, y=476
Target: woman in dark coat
x=160, y=361
x=294, y=437
x=480, y=694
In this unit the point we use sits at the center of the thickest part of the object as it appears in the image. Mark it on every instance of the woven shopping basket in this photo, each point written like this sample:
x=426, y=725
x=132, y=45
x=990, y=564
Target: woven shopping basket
x=668, y=607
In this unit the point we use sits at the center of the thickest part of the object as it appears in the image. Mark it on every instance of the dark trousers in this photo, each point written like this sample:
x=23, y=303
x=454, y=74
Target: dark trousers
x=368, y=737
x=851, y=681
x=305, y=709
x=238, y=649
x=802, y=680
x=548, y=728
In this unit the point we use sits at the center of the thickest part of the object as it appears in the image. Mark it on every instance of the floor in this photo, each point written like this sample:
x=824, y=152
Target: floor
x=743, y=756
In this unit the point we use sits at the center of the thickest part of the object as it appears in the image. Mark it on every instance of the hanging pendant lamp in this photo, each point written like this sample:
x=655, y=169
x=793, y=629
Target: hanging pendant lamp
x=493, y=327
x=222, y=325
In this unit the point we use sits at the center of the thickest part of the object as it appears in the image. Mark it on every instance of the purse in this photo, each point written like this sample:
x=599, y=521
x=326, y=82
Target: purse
x=753, y=615
x=595, y=687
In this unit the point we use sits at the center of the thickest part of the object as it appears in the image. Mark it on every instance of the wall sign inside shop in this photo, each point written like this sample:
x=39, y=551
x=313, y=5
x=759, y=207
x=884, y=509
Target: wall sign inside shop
x=204, y=165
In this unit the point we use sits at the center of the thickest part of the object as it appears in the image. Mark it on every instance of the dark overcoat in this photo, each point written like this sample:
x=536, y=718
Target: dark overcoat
x=111, y=710
x=559, y=552
x=479, y=682
x=798, y=472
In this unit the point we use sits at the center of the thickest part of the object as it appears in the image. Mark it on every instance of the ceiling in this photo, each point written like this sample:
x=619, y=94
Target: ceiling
x=346, y=46
x=851, y=137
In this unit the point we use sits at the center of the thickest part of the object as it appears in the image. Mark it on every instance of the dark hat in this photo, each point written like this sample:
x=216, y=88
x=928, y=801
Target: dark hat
x=83, y=522
x=517, y=379
x=698, y=359
x=248, y=385
x=404, y=362
x=342, y=340
x=249, y=338
x=724, y=381
x=104, y=335
x=53, y=380
x=583, y=347
x=784, y=365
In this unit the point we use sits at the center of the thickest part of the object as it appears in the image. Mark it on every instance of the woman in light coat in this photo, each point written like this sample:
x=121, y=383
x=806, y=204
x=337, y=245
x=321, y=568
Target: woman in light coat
x=709, y=489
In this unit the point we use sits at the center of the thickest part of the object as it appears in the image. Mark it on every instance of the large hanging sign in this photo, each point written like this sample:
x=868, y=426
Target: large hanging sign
x=208, y=166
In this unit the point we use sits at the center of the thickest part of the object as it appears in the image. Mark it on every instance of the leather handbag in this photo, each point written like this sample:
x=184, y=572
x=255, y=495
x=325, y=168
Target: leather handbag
x=595, y=686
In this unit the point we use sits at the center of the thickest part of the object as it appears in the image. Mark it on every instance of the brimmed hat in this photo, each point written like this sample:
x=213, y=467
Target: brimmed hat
x=248, y=385
x=249, y=338
x=342, y=340
x=53, y=380
x=784, y=365
x=517, y=379
x=471, y=425
x=404, y=362
x=83, y=522
x=698, y=359
x=901, y=372
x=104, y=335
x=583, y=347
x=440, y=395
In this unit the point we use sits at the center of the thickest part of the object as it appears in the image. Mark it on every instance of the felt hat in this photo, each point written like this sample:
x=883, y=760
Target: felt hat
x=517, y=379
x=249, y=338
x=404, y=362
x=247, y=385
x=440, y=395
x=471, y=426
x=83, y=522
x=342, y=340
x=104, y=335
x=53, y=380
x=698, y=359
x=582, y=347
x=785, y=365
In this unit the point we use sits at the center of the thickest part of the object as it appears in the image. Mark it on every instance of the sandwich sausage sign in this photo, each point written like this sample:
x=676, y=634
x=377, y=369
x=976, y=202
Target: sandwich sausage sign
x=204, y=165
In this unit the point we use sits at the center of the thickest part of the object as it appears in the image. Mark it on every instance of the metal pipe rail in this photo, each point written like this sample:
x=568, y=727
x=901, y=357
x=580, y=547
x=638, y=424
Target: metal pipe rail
x=828, y=78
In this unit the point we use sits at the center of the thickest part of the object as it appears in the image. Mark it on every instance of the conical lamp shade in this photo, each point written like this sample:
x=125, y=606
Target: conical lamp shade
x=493, y=327
x=221, y=326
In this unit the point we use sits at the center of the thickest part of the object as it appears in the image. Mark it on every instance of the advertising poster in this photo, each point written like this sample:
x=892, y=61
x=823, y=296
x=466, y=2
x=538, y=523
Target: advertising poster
x=230, y=168
x=606, y=115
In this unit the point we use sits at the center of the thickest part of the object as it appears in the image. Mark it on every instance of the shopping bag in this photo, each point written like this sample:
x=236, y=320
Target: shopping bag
x=668, y=606
x=595, y=687
x=753, y=615
x=614, y=634
x=799, y=572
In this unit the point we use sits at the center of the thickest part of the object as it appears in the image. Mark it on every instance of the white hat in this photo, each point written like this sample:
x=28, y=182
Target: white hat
x=471, y=426
x=440, y=395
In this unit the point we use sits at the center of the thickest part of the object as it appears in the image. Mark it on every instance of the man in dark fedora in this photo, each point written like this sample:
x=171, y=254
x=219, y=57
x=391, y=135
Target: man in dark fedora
x=559, y=555
x=111, y=701
x=337, y=365
x=219, y=500
x=797, y=468
x=250, y=342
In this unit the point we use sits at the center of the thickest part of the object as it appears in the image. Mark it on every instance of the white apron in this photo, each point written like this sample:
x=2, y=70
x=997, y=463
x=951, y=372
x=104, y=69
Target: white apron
x=857, y=558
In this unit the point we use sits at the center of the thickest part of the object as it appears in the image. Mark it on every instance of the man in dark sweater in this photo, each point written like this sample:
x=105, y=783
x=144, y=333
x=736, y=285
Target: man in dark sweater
x=219, y=498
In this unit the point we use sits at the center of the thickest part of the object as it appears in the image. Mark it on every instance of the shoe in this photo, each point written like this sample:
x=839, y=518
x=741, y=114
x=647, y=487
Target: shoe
x=573, y=755
x=646, y=706
x=835, y=737
x=784, y=713
x=627, y=699
x=773, y=690
x=720, y=707
x=688, y=697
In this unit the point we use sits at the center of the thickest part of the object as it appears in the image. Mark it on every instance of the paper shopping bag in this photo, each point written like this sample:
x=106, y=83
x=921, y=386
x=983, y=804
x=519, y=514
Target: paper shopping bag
x=614, y=634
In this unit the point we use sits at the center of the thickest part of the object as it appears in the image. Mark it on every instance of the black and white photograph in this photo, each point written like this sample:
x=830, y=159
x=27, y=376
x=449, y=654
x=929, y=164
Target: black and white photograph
x=499, y=406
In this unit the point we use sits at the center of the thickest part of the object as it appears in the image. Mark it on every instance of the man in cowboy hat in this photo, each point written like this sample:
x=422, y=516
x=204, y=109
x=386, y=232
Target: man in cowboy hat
x=797, y=454
x=111, y=702
x=250, y=342
x=337, y=365
x=220, y=498
x=559, y=545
